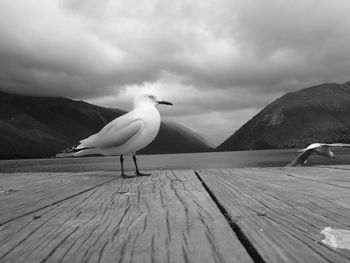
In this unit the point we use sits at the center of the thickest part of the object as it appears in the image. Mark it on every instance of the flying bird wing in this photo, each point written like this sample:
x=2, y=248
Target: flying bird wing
x=301, y=158
x=346, y=145
x=312, y=147
x=115, y=133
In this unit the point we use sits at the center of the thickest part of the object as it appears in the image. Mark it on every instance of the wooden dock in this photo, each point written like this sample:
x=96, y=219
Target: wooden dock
x=226, y=215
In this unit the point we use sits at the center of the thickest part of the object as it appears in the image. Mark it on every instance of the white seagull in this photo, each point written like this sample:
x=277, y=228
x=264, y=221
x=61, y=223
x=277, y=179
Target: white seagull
x=124, y=135
x=323, y=149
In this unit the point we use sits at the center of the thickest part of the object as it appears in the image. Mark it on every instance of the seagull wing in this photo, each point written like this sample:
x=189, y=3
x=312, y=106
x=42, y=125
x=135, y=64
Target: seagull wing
x=312, y=147
x=301, y=158
x=115, y=133
x=346, y=145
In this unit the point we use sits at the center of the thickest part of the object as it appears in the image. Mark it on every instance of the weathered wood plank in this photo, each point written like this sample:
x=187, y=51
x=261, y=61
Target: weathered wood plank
x=338, y=176
x=23, y=193
x=341, y=167
x=282, y=212
x=168, y=217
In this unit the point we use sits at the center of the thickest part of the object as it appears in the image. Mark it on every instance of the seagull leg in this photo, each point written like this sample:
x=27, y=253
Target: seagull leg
x=138, y=173
x=122, y=167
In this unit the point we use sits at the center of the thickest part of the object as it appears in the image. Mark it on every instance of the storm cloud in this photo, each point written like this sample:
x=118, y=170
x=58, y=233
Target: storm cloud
x=220, y=61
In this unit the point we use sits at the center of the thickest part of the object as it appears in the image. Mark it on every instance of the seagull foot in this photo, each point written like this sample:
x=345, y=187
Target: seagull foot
x=142, y=174
x=127, y=175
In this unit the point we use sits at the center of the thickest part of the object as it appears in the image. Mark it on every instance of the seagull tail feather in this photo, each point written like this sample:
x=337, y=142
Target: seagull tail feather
x=76, y=152
x=87, y=151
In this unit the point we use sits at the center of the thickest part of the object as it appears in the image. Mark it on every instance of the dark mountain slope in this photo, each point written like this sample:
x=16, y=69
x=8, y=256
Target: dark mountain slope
x=41, y=126
x=296, y=118
x=178, y=138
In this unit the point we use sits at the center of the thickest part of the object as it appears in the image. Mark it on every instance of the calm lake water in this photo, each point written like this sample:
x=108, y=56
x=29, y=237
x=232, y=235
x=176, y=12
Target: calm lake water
x=262, y=158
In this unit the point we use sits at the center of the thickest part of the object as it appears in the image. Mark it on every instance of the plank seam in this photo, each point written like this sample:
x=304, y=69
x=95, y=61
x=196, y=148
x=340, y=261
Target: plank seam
x=249, y=247
x=57, y=202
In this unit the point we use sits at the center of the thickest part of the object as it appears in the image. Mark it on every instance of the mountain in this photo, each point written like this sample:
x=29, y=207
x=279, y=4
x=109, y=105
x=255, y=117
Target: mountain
x=316, y=114
x=32, y=127
x=183, y=140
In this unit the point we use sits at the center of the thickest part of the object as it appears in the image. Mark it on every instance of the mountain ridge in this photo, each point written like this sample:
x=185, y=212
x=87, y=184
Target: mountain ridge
x=293, y=119
x=33, y=126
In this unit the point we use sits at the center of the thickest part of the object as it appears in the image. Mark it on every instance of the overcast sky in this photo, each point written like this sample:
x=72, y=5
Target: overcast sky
x=218, y=61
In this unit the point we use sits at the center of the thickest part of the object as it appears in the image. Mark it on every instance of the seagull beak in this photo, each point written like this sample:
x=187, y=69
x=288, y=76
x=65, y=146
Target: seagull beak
x=164, y=102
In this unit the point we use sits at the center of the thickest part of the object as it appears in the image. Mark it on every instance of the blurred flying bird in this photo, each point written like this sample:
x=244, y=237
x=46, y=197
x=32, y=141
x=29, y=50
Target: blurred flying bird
x=323, y=149
x=124, y=135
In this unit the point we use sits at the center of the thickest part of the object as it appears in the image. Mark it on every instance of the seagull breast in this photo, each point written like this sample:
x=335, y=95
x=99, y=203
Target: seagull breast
x=147, y=118
x=325, y=151
x=150, y=117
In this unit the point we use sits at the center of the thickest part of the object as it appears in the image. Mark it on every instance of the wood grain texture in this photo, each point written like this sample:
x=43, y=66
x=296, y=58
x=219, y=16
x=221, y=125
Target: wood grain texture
x=23, y=193
x=168, y=217
x=281, y=211
x=341, y=167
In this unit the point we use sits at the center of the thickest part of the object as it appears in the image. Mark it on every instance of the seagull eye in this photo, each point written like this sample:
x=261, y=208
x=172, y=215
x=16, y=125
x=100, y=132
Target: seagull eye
x=152, y=97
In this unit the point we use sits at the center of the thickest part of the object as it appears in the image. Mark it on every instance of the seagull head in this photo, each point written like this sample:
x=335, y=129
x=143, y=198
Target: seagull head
x=149, y=100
